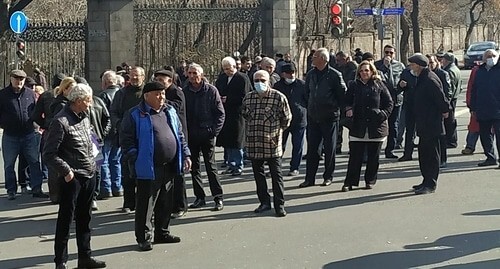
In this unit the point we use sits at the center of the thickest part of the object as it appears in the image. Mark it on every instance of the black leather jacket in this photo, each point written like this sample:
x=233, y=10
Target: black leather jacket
x=68, y=145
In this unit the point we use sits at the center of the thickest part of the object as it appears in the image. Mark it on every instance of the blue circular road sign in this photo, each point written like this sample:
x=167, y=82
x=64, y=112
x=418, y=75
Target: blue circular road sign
x=18, y=22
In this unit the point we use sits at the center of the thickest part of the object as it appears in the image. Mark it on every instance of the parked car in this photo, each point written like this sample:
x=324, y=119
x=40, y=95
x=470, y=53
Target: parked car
x=474, y=54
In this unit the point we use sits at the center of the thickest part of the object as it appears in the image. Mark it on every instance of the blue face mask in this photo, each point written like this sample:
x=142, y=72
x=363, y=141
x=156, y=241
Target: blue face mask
x=260, y=87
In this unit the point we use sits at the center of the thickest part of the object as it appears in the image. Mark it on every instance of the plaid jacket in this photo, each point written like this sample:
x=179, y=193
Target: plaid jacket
x=266, y=119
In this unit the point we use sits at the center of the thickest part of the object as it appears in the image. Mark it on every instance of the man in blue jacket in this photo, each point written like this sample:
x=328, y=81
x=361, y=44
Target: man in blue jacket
x=17, y=103
x=154, y=146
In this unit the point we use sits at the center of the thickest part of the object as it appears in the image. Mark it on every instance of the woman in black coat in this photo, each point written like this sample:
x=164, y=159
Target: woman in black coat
x=368, y=106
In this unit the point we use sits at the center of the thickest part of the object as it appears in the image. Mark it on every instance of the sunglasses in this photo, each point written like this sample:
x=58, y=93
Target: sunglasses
x=260, y=80
x=389, y=52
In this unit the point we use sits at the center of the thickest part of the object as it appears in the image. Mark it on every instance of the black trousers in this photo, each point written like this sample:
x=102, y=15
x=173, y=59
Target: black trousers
x=154, y=196
x=443, y=155
x=75, y=201
x=410, y=130
x=128, y=185
x=180, y=196
x=450, y=125
x=428, y=159
x=276, y=179
x=356, y=152
x=393, y=130
x=325, y=132
x=207, y=148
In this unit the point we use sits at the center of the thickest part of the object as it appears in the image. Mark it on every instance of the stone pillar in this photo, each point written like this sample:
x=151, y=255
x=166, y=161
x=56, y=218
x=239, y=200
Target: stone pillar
x=110, y=37
x=278, y=27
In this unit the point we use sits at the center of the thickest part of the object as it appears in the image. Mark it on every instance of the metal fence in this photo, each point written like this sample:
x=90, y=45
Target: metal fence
x=204, y=33
x=52, y=47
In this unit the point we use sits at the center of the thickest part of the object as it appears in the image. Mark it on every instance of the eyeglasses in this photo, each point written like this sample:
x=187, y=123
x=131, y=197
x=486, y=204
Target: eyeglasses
x=260, y=80
x=364, y=70
x=389, y=52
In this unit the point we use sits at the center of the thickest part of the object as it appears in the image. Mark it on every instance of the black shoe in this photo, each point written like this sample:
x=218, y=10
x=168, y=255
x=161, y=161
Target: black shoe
x=487, y=163
x=405, y=158
x=391, y=156
x=237, y=172
x=91, y=263
x=451, y=146
x=61, y=266
x=280, y=212
x=262, y=208
x=11, y=196
x=443, y=165
x=327, y=182
x=178, y=214
x=168, y=239
x=219, y=205
x=305, y=184
x=416, y=187
x=145, y=246
x=346, y=188
x=368, y=186
x=117, y=193
x=338, y=151
x=94, y=205
x=104, y=196
x=398, y=146
x=425, y=190
x=40, y=194
x=197, y=203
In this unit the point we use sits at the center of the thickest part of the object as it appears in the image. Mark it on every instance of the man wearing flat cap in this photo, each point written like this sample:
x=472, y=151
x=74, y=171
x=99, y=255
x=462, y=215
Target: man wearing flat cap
x=154, y=146
x=432, y=106
x=19, y=138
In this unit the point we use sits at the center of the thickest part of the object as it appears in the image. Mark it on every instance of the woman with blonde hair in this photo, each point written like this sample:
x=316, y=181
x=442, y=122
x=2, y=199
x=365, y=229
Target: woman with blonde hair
x=368, y=106
x=61, y=92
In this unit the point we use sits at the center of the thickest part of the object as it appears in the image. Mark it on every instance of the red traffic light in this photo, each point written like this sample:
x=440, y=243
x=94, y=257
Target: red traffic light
x=336, y=9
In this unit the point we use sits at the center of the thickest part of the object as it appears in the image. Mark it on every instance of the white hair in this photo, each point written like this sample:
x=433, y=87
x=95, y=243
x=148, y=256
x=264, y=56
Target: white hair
x=262, y=73
x=120, y=80
x=197, y=67
x=324, y=54
x=110, y=77
x=79, y=91
x=268, y=61
x=228, y=61
x=139, y=69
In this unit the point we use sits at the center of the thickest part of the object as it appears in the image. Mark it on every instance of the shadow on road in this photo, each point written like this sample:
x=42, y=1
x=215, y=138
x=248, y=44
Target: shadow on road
x=493, y=212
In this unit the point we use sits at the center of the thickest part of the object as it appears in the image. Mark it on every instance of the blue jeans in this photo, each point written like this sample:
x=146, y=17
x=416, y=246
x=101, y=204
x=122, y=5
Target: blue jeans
x=29, y=146
x=297, y=145
x=393, y=130
x=111, y=171
x=471, y=140
x=234, y=158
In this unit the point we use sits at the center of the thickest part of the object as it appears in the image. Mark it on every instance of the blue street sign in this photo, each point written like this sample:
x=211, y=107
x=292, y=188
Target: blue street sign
x=393, y=11
x=18, y=22
x=363, y=12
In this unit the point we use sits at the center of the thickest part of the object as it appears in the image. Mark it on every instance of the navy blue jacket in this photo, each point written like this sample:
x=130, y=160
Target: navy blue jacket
x=16, y=110
x=297, y=99
x=485, y=94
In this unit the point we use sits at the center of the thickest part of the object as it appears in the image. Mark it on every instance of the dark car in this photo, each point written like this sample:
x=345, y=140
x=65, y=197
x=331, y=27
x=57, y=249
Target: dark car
x=474, y=54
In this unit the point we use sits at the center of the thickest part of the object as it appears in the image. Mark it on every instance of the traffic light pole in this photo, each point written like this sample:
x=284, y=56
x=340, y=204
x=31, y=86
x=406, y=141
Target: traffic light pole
x=398, y=32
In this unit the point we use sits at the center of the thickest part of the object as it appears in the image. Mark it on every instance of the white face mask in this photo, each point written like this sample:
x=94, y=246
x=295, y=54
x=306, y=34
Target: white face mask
x=290, y=80
x=260, y=87
x=490, y=62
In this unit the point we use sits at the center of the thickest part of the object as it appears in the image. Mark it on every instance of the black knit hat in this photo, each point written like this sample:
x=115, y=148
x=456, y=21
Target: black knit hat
x=367, y=56
x=153, y=86
x=419, y=59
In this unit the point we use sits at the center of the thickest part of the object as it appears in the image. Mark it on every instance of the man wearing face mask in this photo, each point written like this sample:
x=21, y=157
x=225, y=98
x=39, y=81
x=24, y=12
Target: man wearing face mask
x=391, y=70
x=485, y=104
x=125, y=99
x=267, y=114
x=294, y=90
x=433, y=106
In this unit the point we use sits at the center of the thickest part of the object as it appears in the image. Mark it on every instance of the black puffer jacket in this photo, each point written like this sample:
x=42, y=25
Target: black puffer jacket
x=42, y=113
x=68, y=146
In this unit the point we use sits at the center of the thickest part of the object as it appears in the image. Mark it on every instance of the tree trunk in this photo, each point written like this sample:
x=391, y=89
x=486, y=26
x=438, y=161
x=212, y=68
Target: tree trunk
x=405, y=36
x=203, y=30
x=473, y=21
x=415, y=27
x=248, y=40
x=175, y=40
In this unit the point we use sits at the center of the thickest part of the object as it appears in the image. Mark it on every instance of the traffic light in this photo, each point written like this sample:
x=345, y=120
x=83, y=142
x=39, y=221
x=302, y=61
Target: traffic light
x=348, y=21
x=336, y=11
x=21, y=46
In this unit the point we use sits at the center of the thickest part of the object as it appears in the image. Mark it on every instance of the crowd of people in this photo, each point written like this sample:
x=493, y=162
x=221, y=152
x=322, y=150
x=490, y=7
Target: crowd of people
x=137, y=137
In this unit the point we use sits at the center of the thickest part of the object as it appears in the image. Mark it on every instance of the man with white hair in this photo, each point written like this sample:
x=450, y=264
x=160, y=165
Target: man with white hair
x=69, y=151
x=269, y=65
x=325, y=90
x=485, y=104
x=267, y=114
x=232, y=86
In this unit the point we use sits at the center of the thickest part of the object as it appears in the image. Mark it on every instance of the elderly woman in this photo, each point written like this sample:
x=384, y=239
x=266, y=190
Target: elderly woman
x=69, y=151
x=368, y=106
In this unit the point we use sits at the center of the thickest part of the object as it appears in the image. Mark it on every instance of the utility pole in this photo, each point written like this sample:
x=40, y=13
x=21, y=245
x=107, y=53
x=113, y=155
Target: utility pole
x=398, y=32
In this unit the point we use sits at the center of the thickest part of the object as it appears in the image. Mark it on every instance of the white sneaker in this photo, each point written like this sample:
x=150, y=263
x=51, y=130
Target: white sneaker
x=293, y=173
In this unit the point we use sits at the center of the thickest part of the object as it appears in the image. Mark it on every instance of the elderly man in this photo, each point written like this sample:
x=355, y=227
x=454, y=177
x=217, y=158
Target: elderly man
x=267, y=114
x=205, y=118
x=432, y=106
x=68, y=150
x=19, y=138
x=125, y=99
x=450, y=124
x=175, y=97
x=269, y=65
x=485, y=104
x=232, y=86
x=295, y=92
x=325, y=90
x=154, y=146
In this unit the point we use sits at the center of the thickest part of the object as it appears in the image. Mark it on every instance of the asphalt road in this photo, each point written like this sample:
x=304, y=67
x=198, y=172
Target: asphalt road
x=388, y=227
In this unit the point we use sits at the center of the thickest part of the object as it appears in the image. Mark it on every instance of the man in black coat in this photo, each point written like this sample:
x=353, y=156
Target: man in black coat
x=295, y=92
x=175, y=97
x=432, y=107
x=232, y=86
